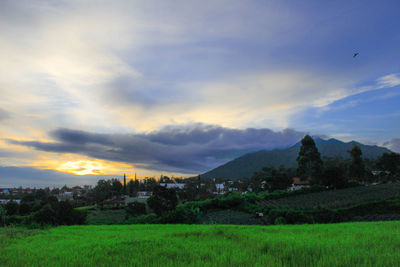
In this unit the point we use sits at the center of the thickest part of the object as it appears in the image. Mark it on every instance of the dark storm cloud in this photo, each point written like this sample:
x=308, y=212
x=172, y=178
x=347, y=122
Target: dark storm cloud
x=188, y=148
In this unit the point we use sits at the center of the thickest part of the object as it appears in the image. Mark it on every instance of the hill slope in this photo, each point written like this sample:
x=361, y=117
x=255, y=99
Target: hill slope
x=247, y=164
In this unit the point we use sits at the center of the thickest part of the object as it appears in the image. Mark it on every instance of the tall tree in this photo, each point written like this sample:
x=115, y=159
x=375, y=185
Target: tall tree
x=116, y=187
x=124, y=184
x=309, y=161
x=389, y=162
x=357, y=167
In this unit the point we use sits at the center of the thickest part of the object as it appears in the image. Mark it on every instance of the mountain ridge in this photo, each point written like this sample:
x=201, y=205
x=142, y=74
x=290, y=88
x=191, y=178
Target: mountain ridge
x=246, y=165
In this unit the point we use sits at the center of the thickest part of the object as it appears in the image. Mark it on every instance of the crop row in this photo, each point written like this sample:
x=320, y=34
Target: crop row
x=335, y=198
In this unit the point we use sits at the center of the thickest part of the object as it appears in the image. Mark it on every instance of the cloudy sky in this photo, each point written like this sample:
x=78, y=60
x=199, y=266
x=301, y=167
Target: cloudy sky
x=93, y=89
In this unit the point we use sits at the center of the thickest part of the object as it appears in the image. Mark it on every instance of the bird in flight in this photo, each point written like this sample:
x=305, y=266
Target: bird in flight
x=355, y=54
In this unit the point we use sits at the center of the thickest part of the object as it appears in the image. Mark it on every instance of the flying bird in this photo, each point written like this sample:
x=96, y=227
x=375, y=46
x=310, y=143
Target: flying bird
x=355, y=54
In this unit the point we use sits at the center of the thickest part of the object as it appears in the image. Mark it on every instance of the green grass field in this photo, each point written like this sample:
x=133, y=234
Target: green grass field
x=347, y=244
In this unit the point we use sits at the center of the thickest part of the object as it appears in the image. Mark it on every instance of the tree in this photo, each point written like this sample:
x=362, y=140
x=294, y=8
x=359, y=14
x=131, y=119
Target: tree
x=24, y=208
x=46, y=215
x=116, y=187
x=124, y=184
x=357, y=167
x=334, y=176
x=41, y=195
x=277, y=179
x=102, y=191
x=309, y=161
x=389, y=162
x=162, y=200
x=11, y=208
x=2, y=215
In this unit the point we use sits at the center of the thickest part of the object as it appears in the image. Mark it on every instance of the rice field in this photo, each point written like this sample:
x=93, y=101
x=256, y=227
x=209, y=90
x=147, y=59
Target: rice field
x=347, y=244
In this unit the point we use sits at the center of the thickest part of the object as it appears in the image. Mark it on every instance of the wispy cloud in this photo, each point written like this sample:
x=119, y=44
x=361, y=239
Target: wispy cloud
x=390, y=80
x=393, y=145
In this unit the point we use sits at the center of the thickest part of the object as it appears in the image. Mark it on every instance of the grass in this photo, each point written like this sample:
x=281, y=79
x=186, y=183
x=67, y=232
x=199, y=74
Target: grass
x=229, y=217
x=347, y=244
x=335, y=198
x=98, y=217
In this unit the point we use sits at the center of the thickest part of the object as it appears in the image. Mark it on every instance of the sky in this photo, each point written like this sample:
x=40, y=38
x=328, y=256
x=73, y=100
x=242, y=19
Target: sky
x=94, y=89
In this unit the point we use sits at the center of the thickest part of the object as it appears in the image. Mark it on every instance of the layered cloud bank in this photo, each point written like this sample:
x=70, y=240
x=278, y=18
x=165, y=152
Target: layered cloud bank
x=192, y=148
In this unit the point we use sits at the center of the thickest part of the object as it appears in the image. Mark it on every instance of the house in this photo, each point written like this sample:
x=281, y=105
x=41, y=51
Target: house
x=144, y=194
x=5, y=191
x=220, y=189
x=299, y=184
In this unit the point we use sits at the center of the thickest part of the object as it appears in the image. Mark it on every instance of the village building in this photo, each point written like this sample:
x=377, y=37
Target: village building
x=299, y=184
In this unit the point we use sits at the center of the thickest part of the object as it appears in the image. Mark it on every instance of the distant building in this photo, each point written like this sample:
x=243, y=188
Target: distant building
x=299, y=184
x=220, y=189
x=144, y=194
x=172, y=185
x=5, y=201
x=5, y=191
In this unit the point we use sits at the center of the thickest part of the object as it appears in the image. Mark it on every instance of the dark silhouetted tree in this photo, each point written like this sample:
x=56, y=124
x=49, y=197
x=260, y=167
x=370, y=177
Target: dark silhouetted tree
x=334, y=176
x=11, y=208
x=2, y=216
x=309, y=161
x=162, y=200
x=389, y=162
x=46, y=215
x=357, y=167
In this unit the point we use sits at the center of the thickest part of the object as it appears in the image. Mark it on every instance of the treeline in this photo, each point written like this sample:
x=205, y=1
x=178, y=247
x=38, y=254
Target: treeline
x=40, y=208
x=339, y=173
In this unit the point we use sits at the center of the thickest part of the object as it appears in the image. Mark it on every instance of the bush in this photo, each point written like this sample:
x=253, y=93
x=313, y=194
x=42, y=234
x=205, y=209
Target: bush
x=46, y=215
x=183, y=214
x=332, y=216
x=15, y=220
x=136, y=208
x=144, y=219
x=280, y=220
x=67, y=215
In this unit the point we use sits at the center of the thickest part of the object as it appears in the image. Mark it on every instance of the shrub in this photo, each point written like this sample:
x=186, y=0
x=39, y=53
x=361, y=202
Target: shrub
x=280, y=220
x=46, y=215
x=183, y=214
x=136, y=208
x=144, y=219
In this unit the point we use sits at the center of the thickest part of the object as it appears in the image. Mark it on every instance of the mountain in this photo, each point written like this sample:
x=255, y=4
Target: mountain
x=247, y=164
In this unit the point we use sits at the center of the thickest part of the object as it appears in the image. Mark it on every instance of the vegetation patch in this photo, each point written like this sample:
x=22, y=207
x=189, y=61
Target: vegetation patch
x=345, y=244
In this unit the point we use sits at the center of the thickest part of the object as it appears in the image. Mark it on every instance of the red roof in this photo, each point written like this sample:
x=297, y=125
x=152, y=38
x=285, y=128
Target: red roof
x=298, y=181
